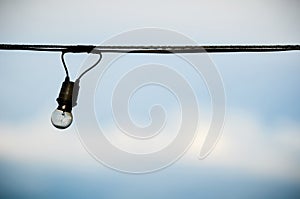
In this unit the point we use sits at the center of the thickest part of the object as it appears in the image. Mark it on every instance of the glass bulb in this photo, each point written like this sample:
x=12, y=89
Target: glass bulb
x=61, y=119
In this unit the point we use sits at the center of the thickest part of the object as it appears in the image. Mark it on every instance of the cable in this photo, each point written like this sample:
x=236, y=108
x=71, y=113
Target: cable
x=64, y=64
x=150, y=49
x=90, y=68
x=57, y=48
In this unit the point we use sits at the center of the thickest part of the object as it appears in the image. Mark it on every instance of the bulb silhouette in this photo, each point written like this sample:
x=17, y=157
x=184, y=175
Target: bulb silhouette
x=62, y=117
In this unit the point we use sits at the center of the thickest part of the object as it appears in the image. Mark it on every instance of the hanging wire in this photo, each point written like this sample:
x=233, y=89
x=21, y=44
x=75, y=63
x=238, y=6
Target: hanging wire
x=64, y=64
x=151, y=49
x=87, y=70
x=91, y=67
x=77, y=81
x=146, y=49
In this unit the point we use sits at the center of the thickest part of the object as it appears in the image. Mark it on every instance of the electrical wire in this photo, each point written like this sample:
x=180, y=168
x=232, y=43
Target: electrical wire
x=91, y=67
x=146, y=49
x=150, y=49
x=64, y=64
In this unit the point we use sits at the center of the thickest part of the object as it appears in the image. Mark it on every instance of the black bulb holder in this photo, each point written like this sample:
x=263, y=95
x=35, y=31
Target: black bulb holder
x=64, y=99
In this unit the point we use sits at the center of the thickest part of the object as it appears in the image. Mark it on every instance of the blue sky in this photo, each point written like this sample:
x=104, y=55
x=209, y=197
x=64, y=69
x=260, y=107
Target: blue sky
x=258, y=153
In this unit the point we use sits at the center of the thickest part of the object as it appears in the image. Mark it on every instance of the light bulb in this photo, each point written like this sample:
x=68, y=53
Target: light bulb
x=62, y=117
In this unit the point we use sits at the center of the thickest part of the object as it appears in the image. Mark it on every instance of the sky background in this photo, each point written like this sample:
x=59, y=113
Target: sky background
x=258, y=155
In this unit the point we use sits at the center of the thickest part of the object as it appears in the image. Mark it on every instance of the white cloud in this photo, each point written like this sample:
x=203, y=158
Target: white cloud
x=247, y=145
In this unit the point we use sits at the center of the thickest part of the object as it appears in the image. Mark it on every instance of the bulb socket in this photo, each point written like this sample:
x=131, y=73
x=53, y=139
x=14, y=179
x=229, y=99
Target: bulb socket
x=64, y=99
